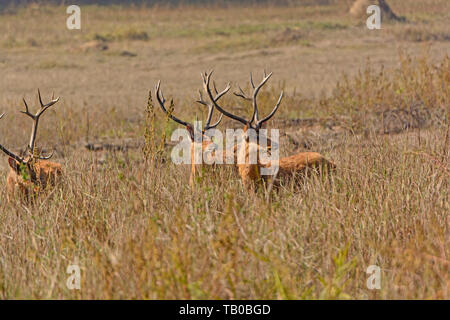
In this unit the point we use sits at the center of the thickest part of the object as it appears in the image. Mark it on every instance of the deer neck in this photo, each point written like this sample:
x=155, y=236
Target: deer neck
x=248, y=170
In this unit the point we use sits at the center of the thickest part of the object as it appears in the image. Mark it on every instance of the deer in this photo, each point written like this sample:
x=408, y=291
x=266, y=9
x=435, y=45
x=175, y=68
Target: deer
x=200, y=140
x=31, y=174
x=250, y=173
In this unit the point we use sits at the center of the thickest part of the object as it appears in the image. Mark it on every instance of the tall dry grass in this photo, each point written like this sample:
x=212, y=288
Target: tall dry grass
x=134, y=226
x=138, y=231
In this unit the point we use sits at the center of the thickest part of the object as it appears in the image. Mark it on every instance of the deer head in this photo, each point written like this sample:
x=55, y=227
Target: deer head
x=206, y=141
x=29, y=169
x=254, y=122
x=248, y=171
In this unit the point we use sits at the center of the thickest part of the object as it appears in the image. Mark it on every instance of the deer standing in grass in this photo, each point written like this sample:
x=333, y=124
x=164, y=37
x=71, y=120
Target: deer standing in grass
x=287, y=166
x=200, y=141
x=33, y=173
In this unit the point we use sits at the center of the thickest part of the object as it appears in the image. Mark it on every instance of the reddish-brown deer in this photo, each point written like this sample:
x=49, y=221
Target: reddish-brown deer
x=29, y=175
x=200, y=141
x=287, y=166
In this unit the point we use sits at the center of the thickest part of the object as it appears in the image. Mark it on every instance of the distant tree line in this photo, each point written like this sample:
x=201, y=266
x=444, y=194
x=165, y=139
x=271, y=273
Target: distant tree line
x=127, y=2
x=9, y=3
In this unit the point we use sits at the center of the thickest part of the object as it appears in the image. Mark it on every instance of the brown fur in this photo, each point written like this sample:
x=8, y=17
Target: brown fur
x=299, y=163
x=359, y=7
x=40, y=175
x=249, y=173
x=288, y=166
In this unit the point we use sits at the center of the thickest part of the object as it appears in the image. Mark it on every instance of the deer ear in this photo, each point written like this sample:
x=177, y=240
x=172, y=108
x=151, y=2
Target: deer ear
x=14, y=164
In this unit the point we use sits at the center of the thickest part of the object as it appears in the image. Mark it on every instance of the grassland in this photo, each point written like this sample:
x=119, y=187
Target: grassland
x=139, y=231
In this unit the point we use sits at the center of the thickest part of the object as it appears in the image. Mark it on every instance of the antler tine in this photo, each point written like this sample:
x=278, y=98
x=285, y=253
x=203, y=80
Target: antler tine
x=9, y=153
x=251, y=80
x=206, y=82
x=209, y=117
x=27, y=110
x=242, y=94
x=162, y=100
x=260, y=123
x=255, y=115
x=12, y=155
x=36, y=117
x=207, y=79
x=201, y=101
x=217, y=123
x=205, y=75
x=210, y=108
x=47, y=157
x=46, y=106
x=215, y=88
x=220, y=94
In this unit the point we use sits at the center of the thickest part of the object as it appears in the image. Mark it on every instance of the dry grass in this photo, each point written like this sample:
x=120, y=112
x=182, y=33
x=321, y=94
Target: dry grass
x=139, y=231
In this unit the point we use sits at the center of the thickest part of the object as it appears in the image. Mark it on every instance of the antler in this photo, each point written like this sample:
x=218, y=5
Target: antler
x=212, y=104
x=210, y=113
x=162, y=100
x=35, y=118
x=207, y=126
x=206, y=82
x=9, y=153
x=255, y=117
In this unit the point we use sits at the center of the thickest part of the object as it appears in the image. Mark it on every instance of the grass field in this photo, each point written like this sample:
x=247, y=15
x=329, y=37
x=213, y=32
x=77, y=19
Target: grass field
x=375, y=102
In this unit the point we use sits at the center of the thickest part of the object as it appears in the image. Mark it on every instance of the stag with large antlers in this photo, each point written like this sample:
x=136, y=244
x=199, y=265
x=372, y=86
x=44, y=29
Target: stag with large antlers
x=250, y=172
x=31, y=173
x=200, y=140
